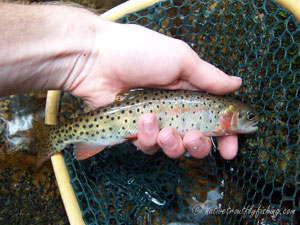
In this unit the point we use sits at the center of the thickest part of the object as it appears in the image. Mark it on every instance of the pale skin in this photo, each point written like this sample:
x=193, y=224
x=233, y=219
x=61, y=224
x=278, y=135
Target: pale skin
x=66, y=48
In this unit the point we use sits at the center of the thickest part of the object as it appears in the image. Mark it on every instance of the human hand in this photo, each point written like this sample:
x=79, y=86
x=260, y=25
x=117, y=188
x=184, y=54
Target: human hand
x=129, y=56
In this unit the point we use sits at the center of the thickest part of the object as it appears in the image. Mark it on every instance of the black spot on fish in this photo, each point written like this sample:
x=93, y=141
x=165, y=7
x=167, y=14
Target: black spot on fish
x=157, y=106
x=112, y=118
x=91, y=125
x=138, y=109
x=118, y=117
x=80, y=119
x=75, y=130
x=95, y=119
x=134, y=121
x=104, y=110
x=183, y=105
x=97, y=132
x=200, y=118
x=93, y=135
x=63, y=130
x=210, y=121
x=151, y=110
x=204, y=103
x=163, y=102
x=84, y=126
x=125, y=120
x=193, y=124
x=123, y=128
x=159, y=118
x=107, y=116
x=137, y=101
x=77, y=125
x=70, y=128
x=103, y=130
x=87, y=133
x=81, y=133
x=145, y=98
x=97, y=125
x=130, y=111
x=101, y=117
x=87, y=120
x=110, y=129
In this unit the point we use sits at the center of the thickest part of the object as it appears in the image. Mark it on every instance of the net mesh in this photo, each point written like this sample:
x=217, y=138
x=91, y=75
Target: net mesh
x=257, y=40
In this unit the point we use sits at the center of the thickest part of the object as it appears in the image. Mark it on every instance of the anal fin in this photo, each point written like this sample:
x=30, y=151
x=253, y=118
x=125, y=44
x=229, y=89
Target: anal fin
x=84, y=151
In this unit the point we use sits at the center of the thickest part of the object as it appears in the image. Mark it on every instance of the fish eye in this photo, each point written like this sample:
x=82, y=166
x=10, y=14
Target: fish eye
x=250, y=115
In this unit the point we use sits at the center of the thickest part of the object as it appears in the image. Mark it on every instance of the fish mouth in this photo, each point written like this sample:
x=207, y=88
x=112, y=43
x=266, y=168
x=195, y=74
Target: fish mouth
x=252, y=127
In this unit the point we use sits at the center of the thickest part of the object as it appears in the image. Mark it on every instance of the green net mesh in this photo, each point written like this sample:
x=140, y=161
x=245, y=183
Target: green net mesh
x=257, y=40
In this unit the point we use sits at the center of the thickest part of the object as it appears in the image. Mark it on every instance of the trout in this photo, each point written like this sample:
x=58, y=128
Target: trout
x=116, y=123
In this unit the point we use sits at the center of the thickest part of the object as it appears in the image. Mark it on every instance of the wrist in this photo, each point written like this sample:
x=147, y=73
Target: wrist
x=45, y=44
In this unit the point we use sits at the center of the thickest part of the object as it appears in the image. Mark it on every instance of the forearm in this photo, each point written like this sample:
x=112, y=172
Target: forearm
x=41, y=46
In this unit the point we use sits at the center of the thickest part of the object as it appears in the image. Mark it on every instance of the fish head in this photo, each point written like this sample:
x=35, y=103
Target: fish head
x=239, y=118
x=246, y=119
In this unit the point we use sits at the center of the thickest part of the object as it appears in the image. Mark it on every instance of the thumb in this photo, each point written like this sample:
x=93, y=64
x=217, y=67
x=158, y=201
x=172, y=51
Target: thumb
x=207, y=77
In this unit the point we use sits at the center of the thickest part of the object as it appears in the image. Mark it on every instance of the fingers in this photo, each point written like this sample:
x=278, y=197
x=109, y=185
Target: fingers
x=150, y=139
x=170, y=142
x=207, y=77
x=228, y=146
x=197, y=144
x=147, y=135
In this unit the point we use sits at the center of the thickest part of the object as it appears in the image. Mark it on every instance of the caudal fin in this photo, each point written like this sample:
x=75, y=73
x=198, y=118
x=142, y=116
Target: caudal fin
x=42, y=133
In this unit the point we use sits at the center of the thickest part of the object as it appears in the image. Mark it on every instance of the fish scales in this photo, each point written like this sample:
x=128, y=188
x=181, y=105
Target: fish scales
x=182, y=110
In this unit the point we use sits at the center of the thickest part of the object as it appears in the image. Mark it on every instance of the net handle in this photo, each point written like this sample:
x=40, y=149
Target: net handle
x=293, y=6
x=60, y=170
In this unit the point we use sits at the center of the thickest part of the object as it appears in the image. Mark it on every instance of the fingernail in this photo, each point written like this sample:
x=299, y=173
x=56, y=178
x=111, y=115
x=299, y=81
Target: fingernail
x=169, y=142
x=149, y=125
x=195, y=145
x=236, y=78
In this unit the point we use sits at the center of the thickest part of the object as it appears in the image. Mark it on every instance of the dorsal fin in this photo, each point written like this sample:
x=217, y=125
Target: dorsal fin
x=128, y=94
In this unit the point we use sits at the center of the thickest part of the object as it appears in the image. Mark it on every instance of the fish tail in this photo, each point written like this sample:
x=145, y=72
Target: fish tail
x=42, y=133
